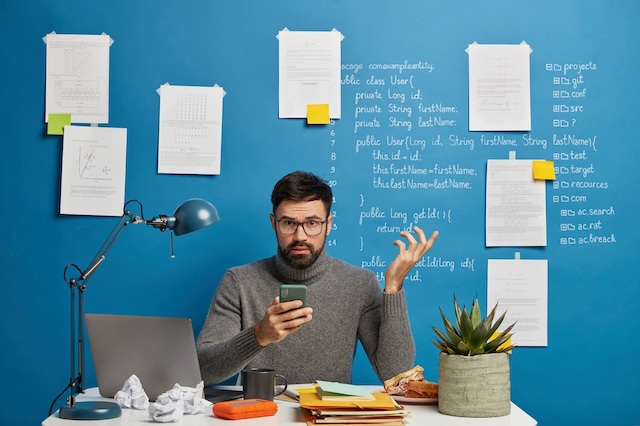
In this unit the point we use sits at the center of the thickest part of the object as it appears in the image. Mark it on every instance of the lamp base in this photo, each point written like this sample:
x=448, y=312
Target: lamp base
x=90, y=410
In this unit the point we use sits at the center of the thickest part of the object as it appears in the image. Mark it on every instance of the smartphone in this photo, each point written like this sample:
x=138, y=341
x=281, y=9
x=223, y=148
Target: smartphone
x=290, y=292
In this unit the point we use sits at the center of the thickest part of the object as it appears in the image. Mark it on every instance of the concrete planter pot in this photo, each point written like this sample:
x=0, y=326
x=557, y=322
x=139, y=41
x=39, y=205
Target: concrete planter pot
x=474, y=386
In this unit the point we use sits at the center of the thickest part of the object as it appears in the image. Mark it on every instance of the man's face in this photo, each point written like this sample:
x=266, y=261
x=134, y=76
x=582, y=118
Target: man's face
x=299, y=249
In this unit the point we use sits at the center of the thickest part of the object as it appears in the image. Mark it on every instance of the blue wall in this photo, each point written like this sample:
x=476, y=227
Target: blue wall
x=586, y=375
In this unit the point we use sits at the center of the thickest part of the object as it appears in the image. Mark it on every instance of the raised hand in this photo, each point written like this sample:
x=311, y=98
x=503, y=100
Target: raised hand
x=407, y=258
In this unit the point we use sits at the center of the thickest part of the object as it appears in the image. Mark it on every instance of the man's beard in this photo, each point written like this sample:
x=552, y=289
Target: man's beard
x=299, y=261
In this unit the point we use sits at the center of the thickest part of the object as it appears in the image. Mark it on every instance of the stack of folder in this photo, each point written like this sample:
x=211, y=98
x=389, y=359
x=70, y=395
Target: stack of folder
x=343, y=404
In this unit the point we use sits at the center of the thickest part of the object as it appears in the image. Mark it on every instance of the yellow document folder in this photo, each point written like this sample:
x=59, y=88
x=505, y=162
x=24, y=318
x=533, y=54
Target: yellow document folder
x=381, y=401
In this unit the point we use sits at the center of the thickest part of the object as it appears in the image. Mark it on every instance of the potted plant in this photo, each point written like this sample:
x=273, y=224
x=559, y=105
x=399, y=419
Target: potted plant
x=473, y=370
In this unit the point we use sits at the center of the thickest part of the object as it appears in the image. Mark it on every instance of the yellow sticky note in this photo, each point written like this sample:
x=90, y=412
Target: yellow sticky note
x=543, y=170
x=505, y=344
x=56, y=123
x=318, y=114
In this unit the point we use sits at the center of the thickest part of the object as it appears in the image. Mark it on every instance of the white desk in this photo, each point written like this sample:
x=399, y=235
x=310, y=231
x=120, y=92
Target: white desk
x=289, y=414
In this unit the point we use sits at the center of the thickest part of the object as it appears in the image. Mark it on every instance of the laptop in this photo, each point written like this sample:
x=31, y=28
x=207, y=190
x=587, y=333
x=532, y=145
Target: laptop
x=161, y=351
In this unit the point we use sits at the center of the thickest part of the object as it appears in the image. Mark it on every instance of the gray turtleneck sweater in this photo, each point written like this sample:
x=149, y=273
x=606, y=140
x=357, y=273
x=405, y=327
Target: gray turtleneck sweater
x=348, y=305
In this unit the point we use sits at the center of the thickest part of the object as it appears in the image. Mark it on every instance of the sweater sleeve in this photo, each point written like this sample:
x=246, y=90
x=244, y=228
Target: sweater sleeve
x=386, y=336
x=223, y=346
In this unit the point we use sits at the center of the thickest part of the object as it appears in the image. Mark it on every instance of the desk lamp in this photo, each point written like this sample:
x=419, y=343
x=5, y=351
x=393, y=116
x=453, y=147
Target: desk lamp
x=192, y=215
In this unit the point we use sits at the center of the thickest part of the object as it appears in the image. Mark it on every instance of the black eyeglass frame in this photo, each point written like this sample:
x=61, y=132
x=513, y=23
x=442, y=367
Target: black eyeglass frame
x=321, y=222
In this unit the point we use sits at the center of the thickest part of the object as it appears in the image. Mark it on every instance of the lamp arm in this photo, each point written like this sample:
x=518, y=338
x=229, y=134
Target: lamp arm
x=126, y=219
x=79, y=284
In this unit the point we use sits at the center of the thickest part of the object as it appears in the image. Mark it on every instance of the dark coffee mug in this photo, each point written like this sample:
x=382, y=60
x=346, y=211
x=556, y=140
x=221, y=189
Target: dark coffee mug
x=261, y=383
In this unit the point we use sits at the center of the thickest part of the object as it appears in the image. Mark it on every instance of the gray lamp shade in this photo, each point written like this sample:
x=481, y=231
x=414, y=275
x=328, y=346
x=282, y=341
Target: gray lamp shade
x=194, y=214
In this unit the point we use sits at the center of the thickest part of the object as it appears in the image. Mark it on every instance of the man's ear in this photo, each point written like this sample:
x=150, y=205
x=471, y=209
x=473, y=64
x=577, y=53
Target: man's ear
x=329, y=222
x=273, y=221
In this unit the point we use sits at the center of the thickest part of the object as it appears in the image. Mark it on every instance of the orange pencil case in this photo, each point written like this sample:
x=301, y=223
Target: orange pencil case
x=245, y=409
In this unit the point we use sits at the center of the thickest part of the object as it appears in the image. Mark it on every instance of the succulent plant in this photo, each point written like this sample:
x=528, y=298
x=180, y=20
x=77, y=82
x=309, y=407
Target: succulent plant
x=470, y=335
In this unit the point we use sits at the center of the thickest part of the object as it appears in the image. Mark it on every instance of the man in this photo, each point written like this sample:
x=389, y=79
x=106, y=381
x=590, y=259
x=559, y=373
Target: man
x=247, y=327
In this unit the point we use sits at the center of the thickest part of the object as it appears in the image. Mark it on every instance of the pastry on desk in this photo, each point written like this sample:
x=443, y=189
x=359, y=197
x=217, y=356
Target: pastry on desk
x=411, y=384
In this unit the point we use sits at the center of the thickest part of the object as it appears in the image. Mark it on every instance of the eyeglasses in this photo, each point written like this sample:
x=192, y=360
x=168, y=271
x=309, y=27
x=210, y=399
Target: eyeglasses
x=311, y=227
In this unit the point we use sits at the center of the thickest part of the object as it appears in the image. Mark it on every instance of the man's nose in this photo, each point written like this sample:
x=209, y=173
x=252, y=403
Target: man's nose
x=300, y=234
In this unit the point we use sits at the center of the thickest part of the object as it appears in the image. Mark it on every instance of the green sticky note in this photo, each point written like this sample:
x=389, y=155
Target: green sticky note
x=543, y=170
x=343, y=389
x=318, y=114
x=57, y=122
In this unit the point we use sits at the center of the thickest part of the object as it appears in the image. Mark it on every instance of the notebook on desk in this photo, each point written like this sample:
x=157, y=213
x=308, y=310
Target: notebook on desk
x=161, y=351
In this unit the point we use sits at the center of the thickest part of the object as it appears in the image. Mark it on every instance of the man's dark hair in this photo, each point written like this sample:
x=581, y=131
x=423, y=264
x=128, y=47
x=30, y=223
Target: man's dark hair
x=301, y=186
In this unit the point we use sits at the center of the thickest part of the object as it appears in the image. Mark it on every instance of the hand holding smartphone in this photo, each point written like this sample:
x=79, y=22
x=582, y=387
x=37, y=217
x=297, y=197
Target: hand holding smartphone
x=290, y=292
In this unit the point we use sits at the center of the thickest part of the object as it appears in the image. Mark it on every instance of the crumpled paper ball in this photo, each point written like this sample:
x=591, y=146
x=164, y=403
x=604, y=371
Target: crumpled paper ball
x=132, y=395
x=173, y=404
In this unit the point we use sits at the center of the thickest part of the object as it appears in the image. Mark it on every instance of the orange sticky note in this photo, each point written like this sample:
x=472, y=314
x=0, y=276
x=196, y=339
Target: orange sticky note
x=543, y=170
x=56, y=123
x=318, y=114
x=505, y=344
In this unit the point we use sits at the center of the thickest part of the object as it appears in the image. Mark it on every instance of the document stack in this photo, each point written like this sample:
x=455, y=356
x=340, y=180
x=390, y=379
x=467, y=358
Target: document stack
x=343, y=404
